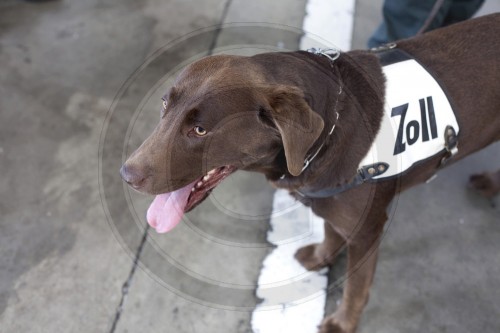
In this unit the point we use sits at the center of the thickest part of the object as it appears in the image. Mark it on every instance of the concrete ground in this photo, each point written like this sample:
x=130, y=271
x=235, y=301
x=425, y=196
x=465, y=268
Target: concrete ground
x=71, y=262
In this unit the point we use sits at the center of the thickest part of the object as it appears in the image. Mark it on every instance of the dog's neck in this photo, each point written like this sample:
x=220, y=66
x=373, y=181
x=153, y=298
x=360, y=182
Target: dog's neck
x=360, y=112
x=320, y=144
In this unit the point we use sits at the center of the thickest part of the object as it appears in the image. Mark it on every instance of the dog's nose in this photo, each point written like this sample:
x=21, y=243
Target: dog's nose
x=133, y=176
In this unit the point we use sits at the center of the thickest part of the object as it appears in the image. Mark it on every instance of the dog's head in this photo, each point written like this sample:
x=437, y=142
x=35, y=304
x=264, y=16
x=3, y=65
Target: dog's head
x=223, y=113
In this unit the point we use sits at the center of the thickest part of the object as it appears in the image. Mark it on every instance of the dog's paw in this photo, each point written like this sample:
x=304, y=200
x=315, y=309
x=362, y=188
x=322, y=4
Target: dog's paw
x=313, y=257
x=332, y=324
x=486, y=184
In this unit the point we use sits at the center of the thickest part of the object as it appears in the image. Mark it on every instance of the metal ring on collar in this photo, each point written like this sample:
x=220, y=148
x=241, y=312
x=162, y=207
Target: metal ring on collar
x=330, y=53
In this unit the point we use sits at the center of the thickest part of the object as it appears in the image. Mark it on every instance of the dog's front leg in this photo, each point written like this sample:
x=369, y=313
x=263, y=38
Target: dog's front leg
x=362, y=259
x=361, y=224
x=316, y=256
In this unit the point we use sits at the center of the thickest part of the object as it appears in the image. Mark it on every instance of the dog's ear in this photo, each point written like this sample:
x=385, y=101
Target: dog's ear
x=298, y=125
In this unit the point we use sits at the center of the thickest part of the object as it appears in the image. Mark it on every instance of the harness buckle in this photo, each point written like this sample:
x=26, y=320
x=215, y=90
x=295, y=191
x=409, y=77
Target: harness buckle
x=367, y=172
x=384, y=47
x=450, y=144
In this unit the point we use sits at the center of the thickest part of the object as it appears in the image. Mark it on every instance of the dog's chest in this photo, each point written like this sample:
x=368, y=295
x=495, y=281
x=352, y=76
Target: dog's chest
x=416, y=118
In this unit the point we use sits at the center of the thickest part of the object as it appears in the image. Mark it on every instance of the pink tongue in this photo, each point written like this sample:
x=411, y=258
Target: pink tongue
x=167, y=209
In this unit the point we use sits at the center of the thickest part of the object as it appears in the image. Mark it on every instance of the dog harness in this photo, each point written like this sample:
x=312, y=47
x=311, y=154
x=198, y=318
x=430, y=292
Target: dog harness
x=418, y=123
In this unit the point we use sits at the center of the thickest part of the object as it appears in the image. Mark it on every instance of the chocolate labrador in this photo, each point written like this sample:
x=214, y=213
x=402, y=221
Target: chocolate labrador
x=343, y=132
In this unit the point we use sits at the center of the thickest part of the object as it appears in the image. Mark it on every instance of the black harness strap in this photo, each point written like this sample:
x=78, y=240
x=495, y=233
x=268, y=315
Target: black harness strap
x=388, y=54
x=363, y=175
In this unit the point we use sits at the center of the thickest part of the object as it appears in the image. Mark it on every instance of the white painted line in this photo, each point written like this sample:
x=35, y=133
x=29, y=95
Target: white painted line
x=330, y=20
x=294, y=299
x=300, y=308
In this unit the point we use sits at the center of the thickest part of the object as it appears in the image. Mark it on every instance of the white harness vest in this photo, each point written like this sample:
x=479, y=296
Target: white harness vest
x=418, y=122
x=417, y=113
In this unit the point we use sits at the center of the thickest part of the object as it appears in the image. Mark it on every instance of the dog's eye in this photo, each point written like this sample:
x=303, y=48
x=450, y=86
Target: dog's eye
x=200, y=131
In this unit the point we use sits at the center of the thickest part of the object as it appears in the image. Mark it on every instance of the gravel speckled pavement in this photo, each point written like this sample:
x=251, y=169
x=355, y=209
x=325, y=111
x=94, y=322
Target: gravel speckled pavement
x=64, y=267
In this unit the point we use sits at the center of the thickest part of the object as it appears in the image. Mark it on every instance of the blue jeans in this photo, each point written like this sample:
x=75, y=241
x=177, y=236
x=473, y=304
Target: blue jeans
x=404, y=18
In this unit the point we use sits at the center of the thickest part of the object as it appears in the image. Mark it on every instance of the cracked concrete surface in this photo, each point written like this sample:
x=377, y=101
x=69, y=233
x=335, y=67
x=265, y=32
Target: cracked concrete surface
x=62, y=267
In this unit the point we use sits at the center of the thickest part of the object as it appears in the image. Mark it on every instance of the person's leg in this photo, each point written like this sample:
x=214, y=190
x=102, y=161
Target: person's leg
x=461, y=10
x=404, y=18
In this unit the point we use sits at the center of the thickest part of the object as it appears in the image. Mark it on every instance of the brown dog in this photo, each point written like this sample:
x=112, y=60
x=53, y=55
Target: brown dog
x=269, y=112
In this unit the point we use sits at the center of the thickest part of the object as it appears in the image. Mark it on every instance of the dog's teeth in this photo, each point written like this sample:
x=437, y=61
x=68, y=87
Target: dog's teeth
x=192, y=190
x=211, y=172
x=199, y=184
x=206, y=178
